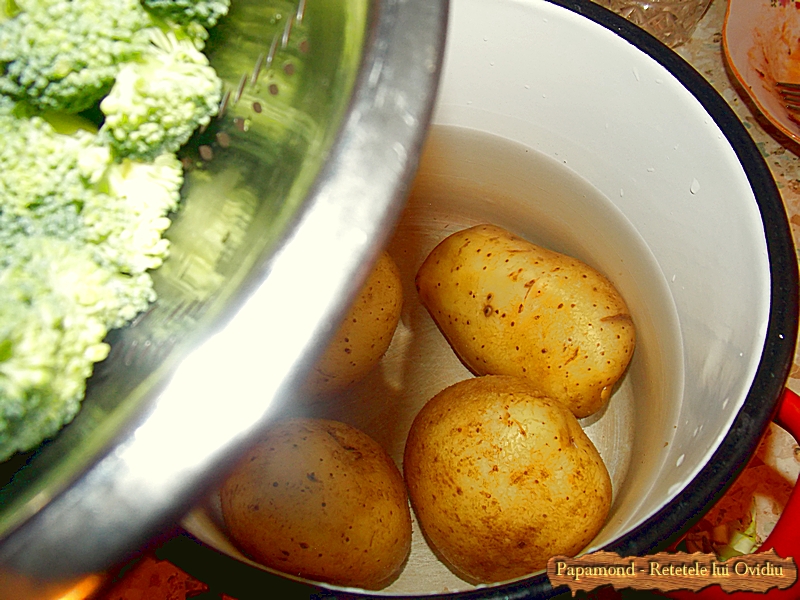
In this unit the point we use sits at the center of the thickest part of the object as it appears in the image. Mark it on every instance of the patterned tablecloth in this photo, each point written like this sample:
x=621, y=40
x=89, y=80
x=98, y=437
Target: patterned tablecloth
x=766, y=483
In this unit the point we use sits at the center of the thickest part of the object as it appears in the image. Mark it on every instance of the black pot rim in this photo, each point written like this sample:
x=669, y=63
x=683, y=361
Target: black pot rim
x=670, y=522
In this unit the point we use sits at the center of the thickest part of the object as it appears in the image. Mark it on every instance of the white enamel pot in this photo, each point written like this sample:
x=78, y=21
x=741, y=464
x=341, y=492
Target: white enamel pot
x=567, y=125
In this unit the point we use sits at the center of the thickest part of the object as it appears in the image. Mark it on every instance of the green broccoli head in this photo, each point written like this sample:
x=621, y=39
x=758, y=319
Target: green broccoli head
x=80, y=232
x=203, y=12
x=126, y=223
x=64, y=54
x=79, y=192
x=48, y=199
x=53, y=299
x=116, y=210
x=159, y=101
x=78, y=236
x=8, y=9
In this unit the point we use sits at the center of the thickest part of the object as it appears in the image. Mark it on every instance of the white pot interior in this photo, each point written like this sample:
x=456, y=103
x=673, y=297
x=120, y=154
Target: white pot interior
x=557, y=129
x=559, y=84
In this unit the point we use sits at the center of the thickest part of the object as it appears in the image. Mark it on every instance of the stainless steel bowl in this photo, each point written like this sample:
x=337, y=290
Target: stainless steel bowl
x=290, y=194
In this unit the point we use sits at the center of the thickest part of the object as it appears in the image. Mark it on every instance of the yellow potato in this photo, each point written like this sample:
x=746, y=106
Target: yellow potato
x=365, y=334
x=501, y=478
x=322, y=500
x=509, y=307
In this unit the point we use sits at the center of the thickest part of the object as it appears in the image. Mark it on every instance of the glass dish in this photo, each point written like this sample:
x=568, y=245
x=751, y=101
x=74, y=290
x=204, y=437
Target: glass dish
x=671, y=21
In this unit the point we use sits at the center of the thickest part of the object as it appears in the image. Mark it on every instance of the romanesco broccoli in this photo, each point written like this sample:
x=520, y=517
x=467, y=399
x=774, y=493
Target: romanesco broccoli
x=159, y=101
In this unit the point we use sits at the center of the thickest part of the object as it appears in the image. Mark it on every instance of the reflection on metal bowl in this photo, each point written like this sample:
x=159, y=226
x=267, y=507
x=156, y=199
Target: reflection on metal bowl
x=289, y=195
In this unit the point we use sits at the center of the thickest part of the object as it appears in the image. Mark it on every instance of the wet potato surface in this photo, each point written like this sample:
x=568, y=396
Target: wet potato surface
x=500, y=473
x=510, y=307
x=501, y=478
x=319, y=499
x=364, y=335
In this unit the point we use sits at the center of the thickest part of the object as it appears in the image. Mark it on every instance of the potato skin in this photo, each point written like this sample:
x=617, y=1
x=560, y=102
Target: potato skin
x=501, y=478
x=322, y=500
x=364, y=335
x=509, y=307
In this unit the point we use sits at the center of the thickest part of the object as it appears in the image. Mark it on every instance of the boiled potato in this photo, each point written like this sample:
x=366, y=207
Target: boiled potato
x=509, y=307
x=501, y=478
x=365, y=334
x=322, y=500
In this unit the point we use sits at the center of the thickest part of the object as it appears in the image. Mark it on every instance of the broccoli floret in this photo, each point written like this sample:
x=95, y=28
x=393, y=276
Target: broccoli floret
x=53, y=299
x=8, y=9
x=45, y=200
x=204, y=12
x=127, y=223
x=78, y=237
x=79, y=193
x=65, y=54
x=82, y=210
x=117, y=211
x=159, y=100
x=124, y=224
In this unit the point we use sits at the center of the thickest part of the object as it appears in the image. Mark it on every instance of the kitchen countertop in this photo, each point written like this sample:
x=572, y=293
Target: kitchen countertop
x=154, y=573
